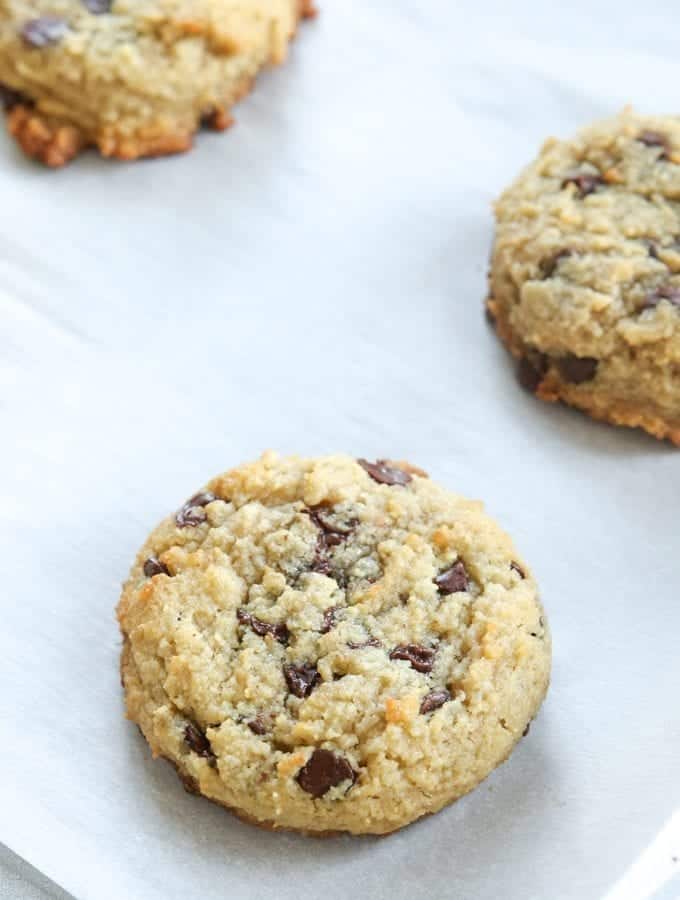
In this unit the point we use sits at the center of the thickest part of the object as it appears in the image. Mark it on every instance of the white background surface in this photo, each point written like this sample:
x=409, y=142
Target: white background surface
x=312, y=281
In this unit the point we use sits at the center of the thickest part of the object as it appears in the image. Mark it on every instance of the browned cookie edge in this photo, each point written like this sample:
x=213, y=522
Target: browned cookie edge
x=545, y=382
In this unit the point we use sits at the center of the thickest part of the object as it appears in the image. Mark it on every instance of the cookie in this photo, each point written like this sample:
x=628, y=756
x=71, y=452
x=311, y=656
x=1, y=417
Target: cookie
x=585, y=272
x=132, y=77
x=331, y=645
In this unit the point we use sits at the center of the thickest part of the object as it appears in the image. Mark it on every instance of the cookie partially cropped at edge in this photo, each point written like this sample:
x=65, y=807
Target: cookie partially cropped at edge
x=132, y=77
x=331, y=644
x=585, y=272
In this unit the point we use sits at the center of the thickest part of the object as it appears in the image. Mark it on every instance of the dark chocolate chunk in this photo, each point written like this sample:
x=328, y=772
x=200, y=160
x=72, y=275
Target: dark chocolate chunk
x=331, y=534
x=526, y=730
x=434, y=700
x=192, y=512
x=9, y=98
x=665, y=292
x=189, y=783
x=576, y=369
x=280, y=632
x=383, y=473
x=209, y=119
x=44, y=31
x=371, y=642
x=323, y=771
x=328, y=619
x=652, y=249
x=321, y=562
x=585, y=182
x=517, y=568
x=490, y=315
x=153, y=566
x=548, y=266
x=301, y=679
x=97, y=7
x=655, y=139
x=421, y=658
x=321, y=516
x=196, y=740
x=453, y=580
x=257, y=725
x=531, y=370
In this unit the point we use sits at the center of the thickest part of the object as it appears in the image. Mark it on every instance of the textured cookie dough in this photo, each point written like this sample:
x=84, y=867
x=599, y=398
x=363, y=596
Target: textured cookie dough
x=331, y=645
x=585, y=272
x=132, y=77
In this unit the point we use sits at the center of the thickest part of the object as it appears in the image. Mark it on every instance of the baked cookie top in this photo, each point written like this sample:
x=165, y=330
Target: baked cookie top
x=332, y=644
x=586, y=264
x=134, y=77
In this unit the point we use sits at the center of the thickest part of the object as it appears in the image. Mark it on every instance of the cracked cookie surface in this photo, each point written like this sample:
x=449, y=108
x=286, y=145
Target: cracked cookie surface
x=132, y=77
x=331, y=644
x=585, y=272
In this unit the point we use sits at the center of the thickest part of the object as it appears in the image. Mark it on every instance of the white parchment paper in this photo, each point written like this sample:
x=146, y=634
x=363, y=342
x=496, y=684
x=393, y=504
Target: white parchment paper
x=313, y=282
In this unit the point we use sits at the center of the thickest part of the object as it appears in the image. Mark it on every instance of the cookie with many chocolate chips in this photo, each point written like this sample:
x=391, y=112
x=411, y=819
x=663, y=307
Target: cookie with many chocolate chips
x=133, y=77
x=585, y=272
x=355, y=696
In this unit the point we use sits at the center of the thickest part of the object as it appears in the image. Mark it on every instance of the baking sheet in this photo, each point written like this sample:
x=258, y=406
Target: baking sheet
x=312, y=282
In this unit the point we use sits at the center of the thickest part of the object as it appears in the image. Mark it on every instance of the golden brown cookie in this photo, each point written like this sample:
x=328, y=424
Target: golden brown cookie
x=132, y=77
x=585, y=272
x=331, y=644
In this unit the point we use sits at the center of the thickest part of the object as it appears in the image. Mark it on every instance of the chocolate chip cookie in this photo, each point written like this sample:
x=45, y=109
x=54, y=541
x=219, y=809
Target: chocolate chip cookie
x=585, y=272
x=331, y=644
x=132, y=77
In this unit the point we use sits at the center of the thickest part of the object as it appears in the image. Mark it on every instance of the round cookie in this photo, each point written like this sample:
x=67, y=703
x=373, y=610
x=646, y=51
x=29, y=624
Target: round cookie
x=331, y=644
x=585, y=272
x=132, y=77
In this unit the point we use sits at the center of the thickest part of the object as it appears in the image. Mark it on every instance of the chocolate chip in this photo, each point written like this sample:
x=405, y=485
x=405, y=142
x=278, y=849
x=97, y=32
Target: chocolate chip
x=453, y=580
x=517, y=568
x=196, y=741
x=576, y=369
x=321, y=563
x=531, y=370
x=321, y=516
x=652, y=249
x=9, y=98
x=192, y=513
x=328, y=619
x=664, y=292
x=371, y=642
x=44, y=31
x=153, y=566
x=189, y=783
x=490, y=315
x=280, y=632
x=209, y=119
x=257, y=725
x=526, y=730
x=331, y=534
x=97, y=7
x=585, y=183
x=421, y=658
x=434, y=700
x=301, y=679
x=548, y=266
x=655, y=139
x=323, y=771
x=383, y=473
